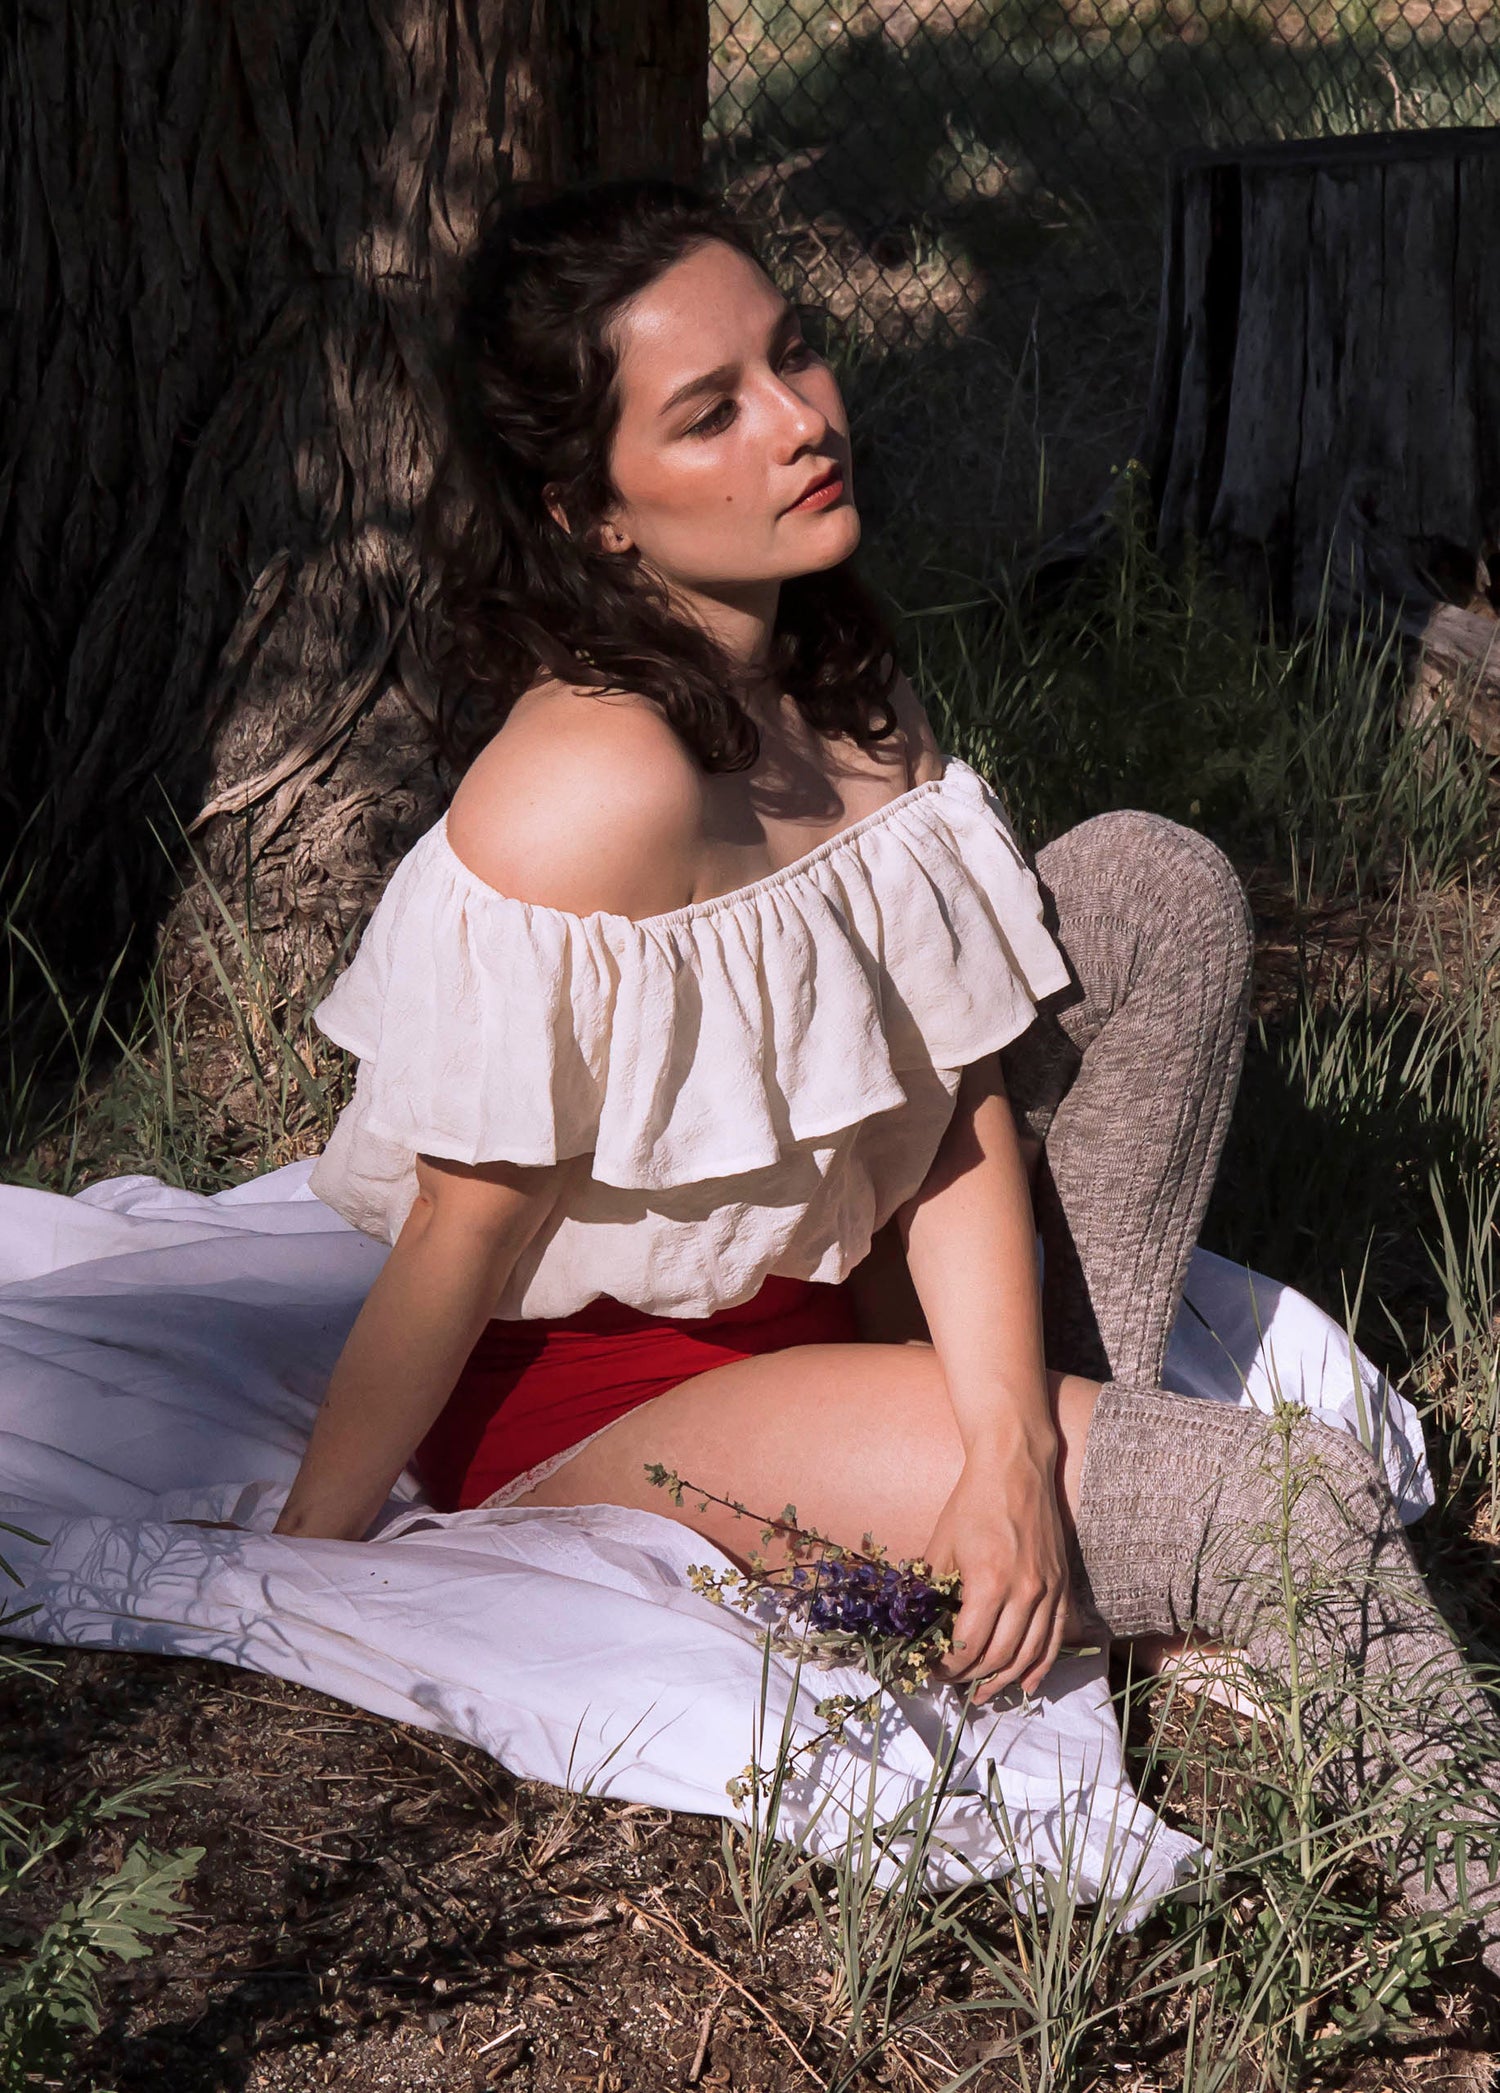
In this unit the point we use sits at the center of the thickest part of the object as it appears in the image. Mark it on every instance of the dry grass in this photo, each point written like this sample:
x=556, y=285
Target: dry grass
x=379, y=1909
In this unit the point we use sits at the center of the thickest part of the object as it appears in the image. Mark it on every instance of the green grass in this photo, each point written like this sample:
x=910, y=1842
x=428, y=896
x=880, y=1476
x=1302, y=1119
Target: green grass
x=1284, y=1963
x=211, y=1074
x=50, y=1970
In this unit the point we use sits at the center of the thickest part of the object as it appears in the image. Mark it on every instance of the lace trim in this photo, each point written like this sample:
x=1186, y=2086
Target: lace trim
x=542, y=1471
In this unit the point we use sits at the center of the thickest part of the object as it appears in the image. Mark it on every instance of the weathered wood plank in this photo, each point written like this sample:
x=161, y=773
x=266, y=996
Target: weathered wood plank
x=1344, y=353
x=1209, y=280
x=1325, y=396
x=1327, y=389
x=1249, y=524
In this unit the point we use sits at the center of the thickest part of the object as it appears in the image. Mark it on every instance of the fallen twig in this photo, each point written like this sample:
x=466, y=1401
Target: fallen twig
x=496, y=2040
x=705, y=2029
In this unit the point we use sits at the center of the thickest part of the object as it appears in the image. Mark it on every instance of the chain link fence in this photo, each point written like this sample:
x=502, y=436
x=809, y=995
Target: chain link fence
x=910, y=161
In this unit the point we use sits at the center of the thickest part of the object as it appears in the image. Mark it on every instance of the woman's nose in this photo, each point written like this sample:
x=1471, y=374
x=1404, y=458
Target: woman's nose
x=804, y=422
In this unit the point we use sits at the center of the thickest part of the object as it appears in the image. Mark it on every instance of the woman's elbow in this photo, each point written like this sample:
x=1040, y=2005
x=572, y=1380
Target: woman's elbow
x=491, y=1205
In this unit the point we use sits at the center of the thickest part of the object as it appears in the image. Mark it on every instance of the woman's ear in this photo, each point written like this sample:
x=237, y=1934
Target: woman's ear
x=605, y=537
x=610, y=538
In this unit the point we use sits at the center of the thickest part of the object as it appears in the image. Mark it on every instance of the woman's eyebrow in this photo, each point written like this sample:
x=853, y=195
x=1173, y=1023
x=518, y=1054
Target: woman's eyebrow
x=711, y=381
x=722, y=373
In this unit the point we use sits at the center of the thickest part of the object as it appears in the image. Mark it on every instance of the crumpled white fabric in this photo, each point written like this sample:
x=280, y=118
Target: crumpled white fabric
x=759, y=1079
x=162, y=1355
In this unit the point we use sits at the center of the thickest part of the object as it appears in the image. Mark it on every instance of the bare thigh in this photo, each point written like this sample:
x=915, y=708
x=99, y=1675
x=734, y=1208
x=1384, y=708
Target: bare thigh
x=861, y=1438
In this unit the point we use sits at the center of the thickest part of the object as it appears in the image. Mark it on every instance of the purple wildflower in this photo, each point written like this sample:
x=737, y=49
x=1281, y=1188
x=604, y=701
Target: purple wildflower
x=895, y=1620
x=867, y=1598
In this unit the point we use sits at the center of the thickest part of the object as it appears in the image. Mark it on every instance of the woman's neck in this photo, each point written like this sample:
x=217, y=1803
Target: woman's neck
x=742, y=618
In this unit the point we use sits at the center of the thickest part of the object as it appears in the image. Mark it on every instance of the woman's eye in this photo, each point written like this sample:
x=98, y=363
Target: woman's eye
x=711, y=424
x=715, y=422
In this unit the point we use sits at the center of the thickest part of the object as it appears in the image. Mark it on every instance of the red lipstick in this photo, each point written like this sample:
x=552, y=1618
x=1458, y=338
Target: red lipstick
x=824, y=490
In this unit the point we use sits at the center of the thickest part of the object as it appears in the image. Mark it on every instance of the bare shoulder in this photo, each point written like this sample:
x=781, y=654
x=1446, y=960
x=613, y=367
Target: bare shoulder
x=583, y=803
x=924, y=752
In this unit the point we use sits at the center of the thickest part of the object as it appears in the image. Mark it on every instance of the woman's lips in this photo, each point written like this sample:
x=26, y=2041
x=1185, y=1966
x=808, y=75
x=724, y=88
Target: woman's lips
x=822, y=495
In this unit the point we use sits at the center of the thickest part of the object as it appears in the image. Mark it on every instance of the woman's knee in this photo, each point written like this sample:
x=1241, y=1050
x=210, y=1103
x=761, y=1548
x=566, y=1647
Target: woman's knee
x=1225, y=1493
x=1304, y=1493
x=1074, y=1399
x=1159, y=873
x=1338, y=1487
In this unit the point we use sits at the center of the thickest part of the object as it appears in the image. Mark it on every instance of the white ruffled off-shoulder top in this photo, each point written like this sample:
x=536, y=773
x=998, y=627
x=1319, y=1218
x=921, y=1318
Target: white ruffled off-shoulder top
x=760, y=1079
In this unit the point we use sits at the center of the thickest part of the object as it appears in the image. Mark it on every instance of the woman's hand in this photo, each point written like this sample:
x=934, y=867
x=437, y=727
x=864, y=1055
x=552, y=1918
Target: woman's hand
x=1002, y=1531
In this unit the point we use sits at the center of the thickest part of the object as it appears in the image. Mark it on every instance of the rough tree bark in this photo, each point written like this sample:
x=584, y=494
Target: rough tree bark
x=1325, y=407
x=225, y=227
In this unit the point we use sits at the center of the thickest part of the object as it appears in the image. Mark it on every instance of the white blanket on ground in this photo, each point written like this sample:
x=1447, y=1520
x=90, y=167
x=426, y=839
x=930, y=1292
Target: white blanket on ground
x=162, y=1355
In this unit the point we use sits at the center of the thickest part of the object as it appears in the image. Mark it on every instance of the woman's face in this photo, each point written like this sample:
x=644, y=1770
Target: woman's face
x=727, y=419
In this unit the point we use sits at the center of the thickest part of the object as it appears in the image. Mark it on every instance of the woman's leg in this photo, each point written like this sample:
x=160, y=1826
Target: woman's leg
x=1197, y=1515
x=1128, y=1080
x=1172, y=1507
x=1122, y=1090
x=1168, y=1501
x=861, y=1438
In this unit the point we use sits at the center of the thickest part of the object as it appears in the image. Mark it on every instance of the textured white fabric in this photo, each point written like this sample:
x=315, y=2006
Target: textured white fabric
x=162, y=1356
x=761, y=1079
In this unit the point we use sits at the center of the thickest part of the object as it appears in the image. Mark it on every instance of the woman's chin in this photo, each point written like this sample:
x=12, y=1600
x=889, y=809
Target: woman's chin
x=825, y=548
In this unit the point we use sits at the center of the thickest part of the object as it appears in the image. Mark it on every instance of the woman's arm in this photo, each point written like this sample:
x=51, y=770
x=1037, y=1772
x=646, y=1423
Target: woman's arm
x=583, y=805
x=970, y=1240
x=885, y=1303
x=419, y=1323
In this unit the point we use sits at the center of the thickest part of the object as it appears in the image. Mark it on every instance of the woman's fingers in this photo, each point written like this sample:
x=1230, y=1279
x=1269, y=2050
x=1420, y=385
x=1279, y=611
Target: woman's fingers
x=1054, y=1644
x=1016, y=1650
x=974, y=1630
x=1020, y=1647
x=995, y=1636
x=1035, y=1659
x=1015, y=1594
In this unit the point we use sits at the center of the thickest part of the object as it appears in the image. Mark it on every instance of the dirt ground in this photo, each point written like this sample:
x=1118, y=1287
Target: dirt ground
x=380, y=1909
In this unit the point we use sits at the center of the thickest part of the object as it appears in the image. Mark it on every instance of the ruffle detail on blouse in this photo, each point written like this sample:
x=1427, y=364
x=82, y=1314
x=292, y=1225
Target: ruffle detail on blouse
x=703, y=1042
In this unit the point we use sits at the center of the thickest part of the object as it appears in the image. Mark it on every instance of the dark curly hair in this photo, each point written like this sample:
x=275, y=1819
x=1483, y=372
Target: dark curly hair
x=528, y=374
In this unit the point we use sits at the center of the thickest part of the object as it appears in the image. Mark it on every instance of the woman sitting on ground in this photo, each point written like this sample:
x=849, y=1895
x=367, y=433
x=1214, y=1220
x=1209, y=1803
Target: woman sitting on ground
x=720, y=1055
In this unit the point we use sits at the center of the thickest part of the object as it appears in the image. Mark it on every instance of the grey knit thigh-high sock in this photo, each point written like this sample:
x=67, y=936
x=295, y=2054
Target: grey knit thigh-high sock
x=1181, y=1503
x=1129, y=1079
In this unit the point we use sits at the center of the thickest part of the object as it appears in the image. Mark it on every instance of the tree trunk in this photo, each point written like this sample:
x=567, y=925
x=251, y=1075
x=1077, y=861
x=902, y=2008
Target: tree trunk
x=1325, y=407
x=225, y=226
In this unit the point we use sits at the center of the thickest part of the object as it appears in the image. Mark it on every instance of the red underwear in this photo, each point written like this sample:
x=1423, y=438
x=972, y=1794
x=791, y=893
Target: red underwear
x=533, y=1387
